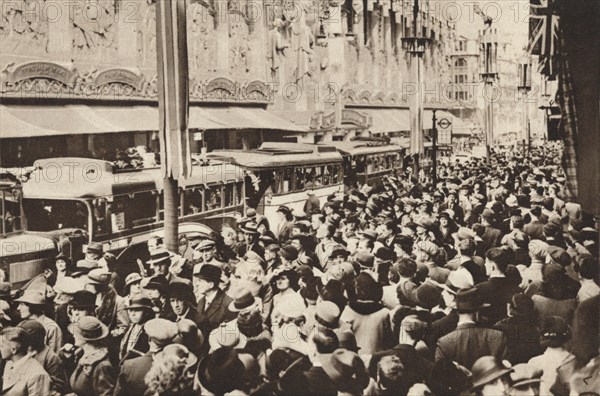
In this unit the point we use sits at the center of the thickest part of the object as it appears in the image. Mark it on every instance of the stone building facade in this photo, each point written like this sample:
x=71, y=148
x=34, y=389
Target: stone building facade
x=323, y=65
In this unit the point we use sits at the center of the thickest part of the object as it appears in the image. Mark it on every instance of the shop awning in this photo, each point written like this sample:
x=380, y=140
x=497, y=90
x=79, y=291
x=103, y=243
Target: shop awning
x=388, y=120
x=235, y=117
x=26, y=121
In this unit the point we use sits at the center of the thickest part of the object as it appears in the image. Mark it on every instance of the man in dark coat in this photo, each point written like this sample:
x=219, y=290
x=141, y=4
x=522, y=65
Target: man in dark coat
x=492, y=236
x=498, y=289
x=477, y=201
x=469, y=341
x=181, y=298
x=161, y=332
x=213, y=303
x=251, y=235
x=535, y=228
x=322, y=342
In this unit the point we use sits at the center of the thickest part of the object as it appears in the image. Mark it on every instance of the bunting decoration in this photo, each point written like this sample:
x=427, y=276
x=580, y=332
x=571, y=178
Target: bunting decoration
x=173, y=91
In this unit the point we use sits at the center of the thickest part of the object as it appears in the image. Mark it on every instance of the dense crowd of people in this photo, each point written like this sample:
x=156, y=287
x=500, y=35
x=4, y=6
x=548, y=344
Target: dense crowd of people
x=485, y=284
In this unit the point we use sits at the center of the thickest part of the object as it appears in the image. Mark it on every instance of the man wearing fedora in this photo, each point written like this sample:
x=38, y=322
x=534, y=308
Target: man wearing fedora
x=251, y=240
x=213, y=303
x=160, y=263
x=491, y=377
x=161, y=333
x=469, y=341
x=23, y=375
x=93, y=252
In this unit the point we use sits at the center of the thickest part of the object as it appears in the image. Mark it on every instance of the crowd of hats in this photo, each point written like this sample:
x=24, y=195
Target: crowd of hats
x=324, y=302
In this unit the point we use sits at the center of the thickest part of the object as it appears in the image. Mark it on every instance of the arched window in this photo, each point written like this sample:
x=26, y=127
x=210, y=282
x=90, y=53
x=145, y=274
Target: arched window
x=460, y=62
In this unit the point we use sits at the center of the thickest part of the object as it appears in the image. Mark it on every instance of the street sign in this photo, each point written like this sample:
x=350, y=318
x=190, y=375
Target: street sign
x=444, y=123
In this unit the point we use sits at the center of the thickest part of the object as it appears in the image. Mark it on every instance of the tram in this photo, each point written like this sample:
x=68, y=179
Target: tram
x=283, y=173
x=368, y=160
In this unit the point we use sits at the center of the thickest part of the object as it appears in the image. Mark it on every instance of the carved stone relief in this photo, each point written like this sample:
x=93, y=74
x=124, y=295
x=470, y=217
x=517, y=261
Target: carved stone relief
x=23, y=26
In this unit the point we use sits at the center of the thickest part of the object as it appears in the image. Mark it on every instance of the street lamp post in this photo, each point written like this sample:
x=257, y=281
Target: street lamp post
x=434, y=137
x=488, y=47
x=415, y=45
x=524, y=87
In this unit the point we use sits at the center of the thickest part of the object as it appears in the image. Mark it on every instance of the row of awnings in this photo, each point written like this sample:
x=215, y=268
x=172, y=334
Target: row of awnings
x=18, y=121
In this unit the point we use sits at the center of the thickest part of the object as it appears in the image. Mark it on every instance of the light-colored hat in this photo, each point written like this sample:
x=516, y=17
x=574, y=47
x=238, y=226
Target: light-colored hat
x=99, y=276
x=67, y=285
x=33, y=297
x=205, y=244
x=161, y=331
x=132, y=278
x=291, y=306
x=512, y=202
x=428, y=247
x=459, y=279
x=227, y=335
x=89, y=328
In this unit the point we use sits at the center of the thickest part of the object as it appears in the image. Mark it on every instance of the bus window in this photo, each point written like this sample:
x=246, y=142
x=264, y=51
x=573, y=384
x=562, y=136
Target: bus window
x=100, y=220
x=133, y=212
x=288, y=180
x=212, y=197
x=361, y=165
x=300, y=179
x=318, y=176
x=47, y=215
x=326, y=175
x=239, y=196
x=277, y=183
x=192, y=202
x=229, y=195
x=11, y=215
x=334, y=173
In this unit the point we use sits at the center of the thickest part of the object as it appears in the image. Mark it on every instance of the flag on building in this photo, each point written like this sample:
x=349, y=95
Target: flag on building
x=173, y=88
x=543, y=34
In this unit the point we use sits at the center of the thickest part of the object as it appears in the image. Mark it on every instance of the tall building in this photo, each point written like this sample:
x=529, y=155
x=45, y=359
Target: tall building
x=79, y=78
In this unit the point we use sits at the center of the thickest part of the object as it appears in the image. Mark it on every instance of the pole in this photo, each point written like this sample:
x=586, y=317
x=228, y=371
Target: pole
x=173, y=102
x=416, y=106
x=434, y=149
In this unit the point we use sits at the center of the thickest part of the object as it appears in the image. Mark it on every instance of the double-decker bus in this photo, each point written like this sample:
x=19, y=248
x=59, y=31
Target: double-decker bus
x=283, y=173
x=22, y=254
x=123, y=208
x=367, y=160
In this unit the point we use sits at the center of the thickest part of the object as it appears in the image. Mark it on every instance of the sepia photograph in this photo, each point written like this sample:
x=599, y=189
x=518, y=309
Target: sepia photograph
x=299, y=197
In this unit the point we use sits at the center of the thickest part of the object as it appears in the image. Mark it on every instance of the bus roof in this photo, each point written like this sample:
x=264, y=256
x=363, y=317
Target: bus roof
x=275, y=155
x=362, y=147
x=72, y=178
